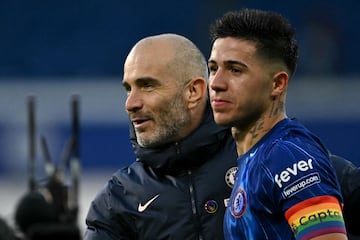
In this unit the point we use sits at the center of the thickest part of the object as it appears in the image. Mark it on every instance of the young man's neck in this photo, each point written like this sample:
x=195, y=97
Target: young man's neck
x=247, y=137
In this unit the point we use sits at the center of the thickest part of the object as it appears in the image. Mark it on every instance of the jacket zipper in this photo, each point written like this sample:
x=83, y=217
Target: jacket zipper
x=193, y=206
x=193, y=201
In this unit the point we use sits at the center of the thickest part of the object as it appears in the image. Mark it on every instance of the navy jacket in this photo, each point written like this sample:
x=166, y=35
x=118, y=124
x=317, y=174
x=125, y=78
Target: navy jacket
x=349, y=179
x=178, y=191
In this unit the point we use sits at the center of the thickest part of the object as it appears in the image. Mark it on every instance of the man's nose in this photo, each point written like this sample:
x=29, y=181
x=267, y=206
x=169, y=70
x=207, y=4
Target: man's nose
x=216, y=81
x=133, y=101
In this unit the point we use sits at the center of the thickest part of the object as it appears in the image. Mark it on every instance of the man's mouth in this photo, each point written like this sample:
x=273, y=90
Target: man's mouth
x=139, y=122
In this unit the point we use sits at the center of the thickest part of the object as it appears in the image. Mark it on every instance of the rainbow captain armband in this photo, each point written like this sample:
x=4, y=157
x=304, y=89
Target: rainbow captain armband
x=316, y=216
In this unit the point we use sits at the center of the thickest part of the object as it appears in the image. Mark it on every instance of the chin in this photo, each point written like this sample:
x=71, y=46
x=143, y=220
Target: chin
x=222, y=122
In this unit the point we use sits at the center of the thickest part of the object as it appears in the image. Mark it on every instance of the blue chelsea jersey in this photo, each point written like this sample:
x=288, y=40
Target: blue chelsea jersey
x=288, y=166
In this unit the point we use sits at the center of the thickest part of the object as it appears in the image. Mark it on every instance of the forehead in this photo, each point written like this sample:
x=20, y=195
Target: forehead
x=232, y=49
x=151, y=60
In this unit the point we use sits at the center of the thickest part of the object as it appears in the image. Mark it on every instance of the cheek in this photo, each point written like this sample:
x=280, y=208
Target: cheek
x=161, y=103
x=210, y=91
x=258, y=97
x=211, y=78
x=247, y=95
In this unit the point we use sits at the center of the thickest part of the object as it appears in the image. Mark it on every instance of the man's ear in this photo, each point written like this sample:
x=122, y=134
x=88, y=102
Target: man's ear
x=280, y=83
x=195, y=92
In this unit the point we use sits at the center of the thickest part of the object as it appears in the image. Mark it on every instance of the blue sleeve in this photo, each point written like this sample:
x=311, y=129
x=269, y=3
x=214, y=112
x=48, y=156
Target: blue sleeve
x=296, y=174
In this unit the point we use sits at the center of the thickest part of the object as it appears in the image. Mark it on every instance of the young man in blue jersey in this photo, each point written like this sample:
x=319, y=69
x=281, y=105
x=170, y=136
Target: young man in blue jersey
x=286, y=187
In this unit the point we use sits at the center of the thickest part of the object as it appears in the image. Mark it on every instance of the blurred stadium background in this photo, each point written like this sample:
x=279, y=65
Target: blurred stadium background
x=53, y=50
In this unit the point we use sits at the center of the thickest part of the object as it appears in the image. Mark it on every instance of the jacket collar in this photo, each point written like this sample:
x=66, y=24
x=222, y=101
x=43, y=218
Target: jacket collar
x=190, y=152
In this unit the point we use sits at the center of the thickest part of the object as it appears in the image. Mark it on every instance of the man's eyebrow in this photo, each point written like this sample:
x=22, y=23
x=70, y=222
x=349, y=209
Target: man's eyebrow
x=142, y=80
x=228, y=62
x=146, y=80
x=211, y=61
x=233, y=62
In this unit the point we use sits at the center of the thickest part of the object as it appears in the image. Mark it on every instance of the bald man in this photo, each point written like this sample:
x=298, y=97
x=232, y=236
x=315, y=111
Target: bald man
x=179, y=185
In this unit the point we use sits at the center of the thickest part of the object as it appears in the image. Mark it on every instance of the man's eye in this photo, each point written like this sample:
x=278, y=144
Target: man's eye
x=147, y=85
x=127, y=88
x=212, y=69
x=236, y=70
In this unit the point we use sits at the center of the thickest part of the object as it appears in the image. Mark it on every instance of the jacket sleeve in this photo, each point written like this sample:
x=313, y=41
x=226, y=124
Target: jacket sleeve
x=104, y=221
x=349, y=179
x=93, y=233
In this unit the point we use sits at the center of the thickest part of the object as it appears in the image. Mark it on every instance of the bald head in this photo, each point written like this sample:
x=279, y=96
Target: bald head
x=171, y=51
x=165, y=80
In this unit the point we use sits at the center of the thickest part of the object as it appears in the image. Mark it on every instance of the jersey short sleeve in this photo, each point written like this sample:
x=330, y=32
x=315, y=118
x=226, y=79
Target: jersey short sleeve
x=306, y=188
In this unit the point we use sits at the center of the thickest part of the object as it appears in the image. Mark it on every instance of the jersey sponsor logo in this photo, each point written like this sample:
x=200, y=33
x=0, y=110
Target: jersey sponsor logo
x=230, y=176
x=239, y=203
x=290, y=172
x=301, y=184
x=142, y=207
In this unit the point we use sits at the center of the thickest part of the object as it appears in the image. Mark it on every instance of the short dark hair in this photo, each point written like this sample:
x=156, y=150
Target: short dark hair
x=271, y=32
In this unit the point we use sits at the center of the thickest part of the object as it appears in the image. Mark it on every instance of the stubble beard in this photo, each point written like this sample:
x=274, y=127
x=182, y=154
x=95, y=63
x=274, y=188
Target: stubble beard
x=172, y=119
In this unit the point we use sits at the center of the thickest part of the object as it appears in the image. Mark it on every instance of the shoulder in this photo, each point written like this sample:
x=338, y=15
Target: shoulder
x=113, y=202
x=123, y=179
x=347, y=172
x=293, y=162
x=284, y=153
